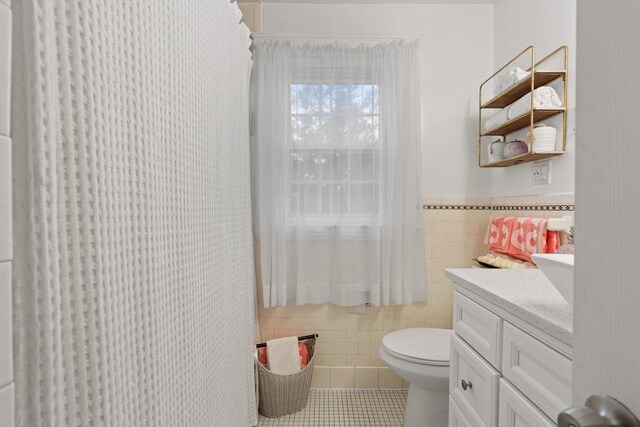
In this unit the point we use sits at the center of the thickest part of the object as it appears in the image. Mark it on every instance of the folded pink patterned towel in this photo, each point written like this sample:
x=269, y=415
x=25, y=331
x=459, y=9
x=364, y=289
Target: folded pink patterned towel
x=522, y=237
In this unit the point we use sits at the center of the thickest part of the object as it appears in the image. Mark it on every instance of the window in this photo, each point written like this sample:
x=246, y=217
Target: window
x=335, y=152
x=336, y=137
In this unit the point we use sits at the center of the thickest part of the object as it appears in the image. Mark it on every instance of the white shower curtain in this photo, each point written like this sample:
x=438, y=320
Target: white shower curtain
x=336, y=164
x=133, y=274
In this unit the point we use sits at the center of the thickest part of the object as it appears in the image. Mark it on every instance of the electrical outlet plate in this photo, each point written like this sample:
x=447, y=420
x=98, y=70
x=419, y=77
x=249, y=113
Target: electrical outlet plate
x=541, y=172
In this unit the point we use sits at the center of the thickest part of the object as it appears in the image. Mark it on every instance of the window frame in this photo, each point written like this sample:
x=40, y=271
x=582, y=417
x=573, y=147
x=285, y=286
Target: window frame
x=332, y=218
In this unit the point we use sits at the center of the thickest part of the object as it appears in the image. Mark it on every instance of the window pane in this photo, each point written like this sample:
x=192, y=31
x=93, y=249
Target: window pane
x=375, y=134
x=376, y=97
x=305, y=165
x=339, y=202
x=357, y=129
x=325, y=198
x=362, y=199
x=327, y=98
x=311, y=166
x=335, y=164
x=367, y=99
x=325, y=162
x=309, y=198
x=365, y=130
x=340, y=165
x=364, y=165
x=293, y=199
x=348, y=100
x=352, y=130
x=306, y=130
x=335, y=130
x=305, y=98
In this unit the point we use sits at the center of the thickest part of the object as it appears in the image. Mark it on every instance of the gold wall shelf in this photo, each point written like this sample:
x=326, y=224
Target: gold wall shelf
x=523, y=87
x=523, y=121
x=536, y=78
x=523, y=158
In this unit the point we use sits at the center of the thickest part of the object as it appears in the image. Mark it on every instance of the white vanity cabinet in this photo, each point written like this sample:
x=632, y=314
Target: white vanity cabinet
x=501, y=375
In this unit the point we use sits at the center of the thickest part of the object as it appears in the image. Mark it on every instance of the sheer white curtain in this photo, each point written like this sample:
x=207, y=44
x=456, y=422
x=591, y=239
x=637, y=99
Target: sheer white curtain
x=336, y=172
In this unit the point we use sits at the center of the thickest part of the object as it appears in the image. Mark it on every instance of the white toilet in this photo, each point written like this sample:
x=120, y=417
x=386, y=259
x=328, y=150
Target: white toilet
x=421, y=357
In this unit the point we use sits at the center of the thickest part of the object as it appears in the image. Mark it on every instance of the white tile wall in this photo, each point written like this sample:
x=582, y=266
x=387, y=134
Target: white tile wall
x=342, y=377
x=366, y=377
x=388, y=380
x=7, y=416
x=6, y=246
x=356, y=377
x=6, y=322
x=5, y=67
x=321, y=377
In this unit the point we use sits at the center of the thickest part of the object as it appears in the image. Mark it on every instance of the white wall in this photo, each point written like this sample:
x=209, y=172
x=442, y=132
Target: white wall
x=6, y=240
x=546, y=24
x=456, y=45
x=606, y=318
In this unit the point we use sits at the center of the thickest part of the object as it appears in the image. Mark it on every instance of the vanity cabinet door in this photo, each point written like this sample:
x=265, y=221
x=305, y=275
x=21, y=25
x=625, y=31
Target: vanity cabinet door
x=456, y=417
x=479, y=327
x=473, y=384
x=518, y=411
x=539, y=372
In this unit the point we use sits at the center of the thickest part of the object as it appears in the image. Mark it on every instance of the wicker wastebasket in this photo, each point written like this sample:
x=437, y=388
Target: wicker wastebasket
x=280, y=395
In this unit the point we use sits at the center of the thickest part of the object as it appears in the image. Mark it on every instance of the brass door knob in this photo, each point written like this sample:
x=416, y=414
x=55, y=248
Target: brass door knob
x=466, y=385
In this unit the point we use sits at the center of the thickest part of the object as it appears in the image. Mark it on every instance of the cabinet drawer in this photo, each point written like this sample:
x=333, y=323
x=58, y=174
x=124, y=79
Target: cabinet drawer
x=517, y=411
x=479, y=327
x=456, y=417
x=539, y=372
x=479, y=402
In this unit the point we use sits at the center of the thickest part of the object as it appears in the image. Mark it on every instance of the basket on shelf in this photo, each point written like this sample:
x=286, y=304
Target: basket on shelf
x=280, y=395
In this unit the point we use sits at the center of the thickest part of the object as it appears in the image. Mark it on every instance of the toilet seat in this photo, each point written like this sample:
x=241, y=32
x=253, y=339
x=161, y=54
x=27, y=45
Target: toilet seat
x=426, y=346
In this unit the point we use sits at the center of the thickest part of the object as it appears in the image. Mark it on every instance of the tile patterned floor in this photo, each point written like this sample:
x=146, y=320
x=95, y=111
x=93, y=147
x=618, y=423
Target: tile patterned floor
x=349, y=408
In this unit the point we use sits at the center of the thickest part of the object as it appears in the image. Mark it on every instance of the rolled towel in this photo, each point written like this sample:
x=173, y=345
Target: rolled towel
x=496, y=119
x=543, y=97
x=284, y=358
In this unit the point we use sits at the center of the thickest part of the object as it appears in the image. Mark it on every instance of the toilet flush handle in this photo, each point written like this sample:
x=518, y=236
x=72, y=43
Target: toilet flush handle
x=466, y=385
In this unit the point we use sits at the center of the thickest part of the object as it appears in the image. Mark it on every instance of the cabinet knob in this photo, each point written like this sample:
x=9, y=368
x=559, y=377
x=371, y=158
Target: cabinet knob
x=466, y=385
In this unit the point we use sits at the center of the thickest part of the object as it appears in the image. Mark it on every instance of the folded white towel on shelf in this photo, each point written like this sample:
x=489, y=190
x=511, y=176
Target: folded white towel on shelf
x=543, y=97
x=496, y=119
x=283, y=355
x=512, y=76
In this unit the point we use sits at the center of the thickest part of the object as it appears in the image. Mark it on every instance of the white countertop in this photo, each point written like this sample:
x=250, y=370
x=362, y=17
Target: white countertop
x=525, y=294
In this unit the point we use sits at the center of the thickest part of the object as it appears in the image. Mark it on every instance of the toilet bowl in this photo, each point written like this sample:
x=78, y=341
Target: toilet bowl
x=421, y=357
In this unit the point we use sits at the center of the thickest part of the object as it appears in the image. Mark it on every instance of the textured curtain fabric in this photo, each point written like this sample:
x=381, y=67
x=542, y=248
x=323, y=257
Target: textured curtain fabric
x=336, y=164
x=133, y=274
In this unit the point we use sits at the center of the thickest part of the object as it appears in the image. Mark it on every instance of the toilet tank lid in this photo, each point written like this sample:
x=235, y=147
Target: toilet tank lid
x=427, y=344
